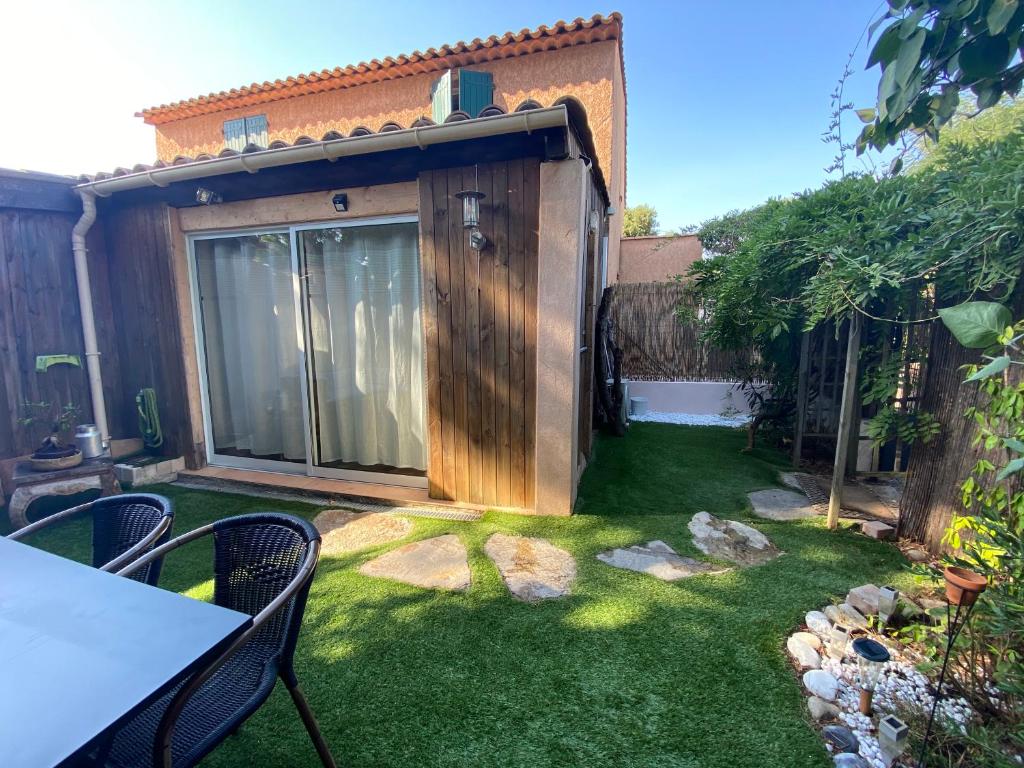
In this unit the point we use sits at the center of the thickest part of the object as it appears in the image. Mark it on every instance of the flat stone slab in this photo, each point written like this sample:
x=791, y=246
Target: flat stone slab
x=657, y=559
x=864, y=598
x=779, y=504
x=532, y=569
x=730, y=540
x=343, y=531
x=437, y=563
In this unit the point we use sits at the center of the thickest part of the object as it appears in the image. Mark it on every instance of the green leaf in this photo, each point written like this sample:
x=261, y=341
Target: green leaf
x=886, y=48
x=909, y=57
x=1013, y=467
x=997, y=366
x=866, y=115
x=984, y=57
x=976, y=324
x=999, y=15
x=1014, y=444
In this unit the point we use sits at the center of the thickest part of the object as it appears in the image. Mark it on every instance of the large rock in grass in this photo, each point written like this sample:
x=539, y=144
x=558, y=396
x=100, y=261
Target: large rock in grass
x=822, y=684
x=730, y=540
x=803, y=654
x=532, y=569
x=657, y=559
x=779, y=504
x=437, y=563
x=342, y=531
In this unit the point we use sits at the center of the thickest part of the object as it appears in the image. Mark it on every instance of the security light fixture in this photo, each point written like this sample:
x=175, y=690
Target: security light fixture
x=888, y=601
x=871, y=657
x=340, y=202
x=837, y=640
x=206, y=196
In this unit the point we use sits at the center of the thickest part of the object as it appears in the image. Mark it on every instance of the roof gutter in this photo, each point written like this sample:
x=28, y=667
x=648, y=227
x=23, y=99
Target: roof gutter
x=421, y=137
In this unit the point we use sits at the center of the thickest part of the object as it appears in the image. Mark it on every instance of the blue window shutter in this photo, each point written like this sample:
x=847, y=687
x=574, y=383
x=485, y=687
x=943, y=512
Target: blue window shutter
x=256, y=131
x=476, y=91
x=441, y=98
x=234, y=134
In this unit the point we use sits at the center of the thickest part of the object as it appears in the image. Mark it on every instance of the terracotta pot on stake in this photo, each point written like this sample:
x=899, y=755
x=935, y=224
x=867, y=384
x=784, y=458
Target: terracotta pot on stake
x=962, y=590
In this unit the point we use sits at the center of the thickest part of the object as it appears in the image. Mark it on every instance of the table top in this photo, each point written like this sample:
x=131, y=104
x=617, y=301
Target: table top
x=24, y=473
x=82, y=650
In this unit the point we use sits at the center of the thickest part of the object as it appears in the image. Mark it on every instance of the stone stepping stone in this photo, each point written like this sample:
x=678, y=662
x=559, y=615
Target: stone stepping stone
x=532, y=569
x=729, y=540
x=343, y=531
x=657, y=559
x=779, y=504
x=437, y=563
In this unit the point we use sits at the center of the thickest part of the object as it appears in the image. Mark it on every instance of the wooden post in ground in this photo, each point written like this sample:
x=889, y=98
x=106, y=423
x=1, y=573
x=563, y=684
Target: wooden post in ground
x=801, y=397
x=846, y=420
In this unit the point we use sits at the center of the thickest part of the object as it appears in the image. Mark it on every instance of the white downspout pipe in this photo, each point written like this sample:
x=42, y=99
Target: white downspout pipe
x=92, y=352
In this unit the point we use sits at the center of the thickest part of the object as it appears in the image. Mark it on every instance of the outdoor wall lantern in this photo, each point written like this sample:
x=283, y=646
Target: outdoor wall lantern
x=340, y=202
x=871, y=657
x=206, y=196
x=888, y=601
x=837, y=641
x=471, y=215
x=892, y=738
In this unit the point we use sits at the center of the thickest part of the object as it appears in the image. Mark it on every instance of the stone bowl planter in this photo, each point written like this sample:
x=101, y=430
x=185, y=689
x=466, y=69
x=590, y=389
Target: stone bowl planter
x=55, y=460
x=963, y=586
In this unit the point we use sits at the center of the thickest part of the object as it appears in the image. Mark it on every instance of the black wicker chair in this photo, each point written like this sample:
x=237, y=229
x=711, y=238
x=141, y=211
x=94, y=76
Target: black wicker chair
x=124, y=528
x=263, y=565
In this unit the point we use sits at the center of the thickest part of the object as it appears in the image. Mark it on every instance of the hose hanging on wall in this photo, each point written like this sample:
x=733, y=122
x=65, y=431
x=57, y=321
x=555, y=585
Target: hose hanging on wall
x=149, y=418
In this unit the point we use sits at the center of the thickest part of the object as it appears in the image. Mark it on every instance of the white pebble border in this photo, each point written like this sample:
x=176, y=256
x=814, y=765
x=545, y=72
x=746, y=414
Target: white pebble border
x=900, y=688
x=692, y=419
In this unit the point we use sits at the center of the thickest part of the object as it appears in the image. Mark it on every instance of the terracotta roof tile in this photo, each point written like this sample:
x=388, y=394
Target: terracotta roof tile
x=561, y=34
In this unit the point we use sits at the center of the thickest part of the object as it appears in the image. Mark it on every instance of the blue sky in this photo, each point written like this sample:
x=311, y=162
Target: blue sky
x=727, y=101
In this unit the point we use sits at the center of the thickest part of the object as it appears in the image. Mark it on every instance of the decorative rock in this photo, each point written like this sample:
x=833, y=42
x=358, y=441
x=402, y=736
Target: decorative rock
x=833, y=614
x=841, y=737
x=808, y=637
x=438, y=563
x=803, y=654
x=343, y=531
x=777, y=504
x=851, y=617
x=875, y=529
x=821, y=684
x=730, y=540
x=532, y=569
x=847, y=760
x=917, y=555
x=864, y=599
x=821, y=709
x=657, y=559
x=818, y=623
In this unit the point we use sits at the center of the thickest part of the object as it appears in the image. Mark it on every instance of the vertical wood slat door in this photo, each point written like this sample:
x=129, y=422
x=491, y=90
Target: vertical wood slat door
x=480, y=333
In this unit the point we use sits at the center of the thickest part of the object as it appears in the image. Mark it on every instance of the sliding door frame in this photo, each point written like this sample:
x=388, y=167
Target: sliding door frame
x=308, y=468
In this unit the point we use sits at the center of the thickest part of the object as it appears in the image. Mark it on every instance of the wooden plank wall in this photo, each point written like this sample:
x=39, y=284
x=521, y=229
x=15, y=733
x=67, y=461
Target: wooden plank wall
x=480, y=311
x=145, y=311
x=591, y=295
x=39, y=315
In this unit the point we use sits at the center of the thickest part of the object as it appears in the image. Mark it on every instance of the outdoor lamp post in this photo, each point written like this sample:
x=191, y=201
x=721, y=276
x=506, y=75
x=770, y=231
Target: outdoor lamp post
x=962, y=590
x=888, y=601
x=837, y=640
x=892, y=738
x=871, y=656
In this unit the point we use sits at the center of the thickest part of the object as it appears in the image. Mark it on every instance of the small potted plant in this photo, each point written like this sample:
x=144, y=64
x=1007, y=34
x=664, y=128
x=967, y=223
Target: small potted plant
x=56, y=451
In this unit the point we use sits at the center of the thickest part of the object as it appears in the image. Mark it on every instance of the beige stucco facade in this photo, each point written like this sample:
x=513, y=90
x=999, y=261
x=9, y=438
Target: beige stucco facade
x=657, y=259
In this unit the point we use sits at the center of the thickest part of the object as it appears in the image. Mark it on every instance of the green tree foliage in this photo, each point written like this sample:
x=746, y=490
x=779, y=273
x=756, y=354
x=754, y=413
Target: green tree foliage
x=640, y=221
x=929, y=52
x=884, y=248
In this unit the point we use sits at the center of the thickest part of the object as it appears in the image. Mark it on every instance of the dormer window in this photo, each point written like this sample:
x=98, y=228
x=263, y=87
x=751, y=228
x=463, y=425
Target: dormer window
x=461, y=89
x=243, y=131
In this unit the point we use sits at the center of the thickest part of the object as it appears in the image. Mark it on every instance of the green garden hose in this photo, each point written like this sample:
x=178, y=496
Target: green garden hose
x=149, y=418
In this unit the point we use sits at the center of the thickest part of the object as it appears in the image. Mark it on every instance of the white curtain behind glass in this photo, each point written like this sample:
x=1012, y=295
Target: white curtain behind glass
x=252, y=354
x=366, y=344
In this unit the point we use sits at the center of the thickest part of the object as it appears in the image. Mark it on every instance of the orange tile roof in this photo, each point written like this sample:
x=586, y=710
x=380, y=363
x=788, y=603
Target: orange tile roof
x=562, y=34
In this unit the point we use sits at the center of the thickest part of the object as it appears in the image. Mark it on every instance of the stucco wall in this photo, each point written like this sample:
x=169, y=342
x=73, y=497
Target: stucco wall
x=657, y=259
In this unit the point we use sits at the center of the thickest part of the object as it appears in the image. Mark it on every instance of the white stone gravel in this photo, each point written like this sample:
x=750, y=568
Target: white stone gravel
x=692, y=419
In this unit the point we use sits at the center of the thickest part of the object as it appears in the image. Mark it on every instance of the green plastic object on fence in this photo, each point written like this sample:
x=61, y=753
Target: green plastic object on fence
x=149, y=418
x=45, y=362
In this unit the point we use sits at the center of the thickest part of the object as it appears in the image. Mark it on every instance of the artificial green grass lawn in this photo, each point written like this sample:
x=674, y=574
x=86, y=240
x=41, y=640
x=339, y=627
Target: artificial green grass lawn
x=627, y=671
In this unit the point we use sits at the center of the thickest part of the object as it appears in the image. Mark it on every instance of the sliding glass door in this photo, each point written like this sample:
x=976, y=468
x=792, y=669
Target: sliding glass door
x=311, y=348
